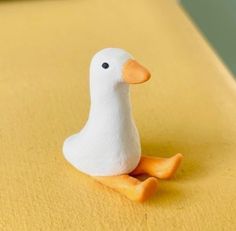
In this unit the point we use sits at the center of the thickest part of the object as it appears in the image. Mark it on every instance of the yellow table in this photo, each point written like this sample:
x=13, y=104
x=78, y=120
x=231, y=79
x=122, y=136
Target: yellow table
x=189, y=106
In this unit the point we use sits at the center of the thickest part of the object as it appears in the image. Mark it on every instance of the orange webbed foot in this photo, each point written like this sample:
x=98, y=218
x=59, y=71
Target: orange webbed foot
x=131, y=187
x=163, y=168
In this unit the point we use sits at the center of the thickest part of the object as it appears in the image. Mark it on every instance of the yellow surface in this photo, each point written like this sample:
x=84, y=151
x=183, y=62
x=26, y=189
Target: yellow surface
x=189, y=106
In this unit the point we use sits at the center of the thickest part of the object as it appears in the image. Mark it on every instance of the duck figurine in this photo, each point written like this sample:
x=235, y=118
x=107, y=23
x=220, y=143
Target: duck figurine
x=108, y=147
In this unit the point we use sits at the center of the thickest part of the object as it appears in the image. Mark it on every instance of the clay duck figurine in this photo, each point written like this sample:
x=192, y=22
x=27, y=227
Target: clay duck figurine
x=108, y=147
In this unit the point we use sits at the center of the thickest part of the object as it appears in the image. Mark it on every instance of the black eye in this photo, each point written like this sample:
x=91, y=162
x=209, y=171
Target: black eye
x=105, y=65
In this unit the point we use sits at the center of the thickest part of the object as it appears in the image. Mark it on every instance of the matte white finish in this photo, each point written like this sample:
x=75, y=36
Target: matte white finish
x=109, y=143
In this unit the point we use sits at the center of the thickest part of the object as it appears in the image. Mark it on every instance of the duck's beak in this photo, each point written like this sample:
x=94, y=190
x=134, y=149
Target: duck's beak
x=133, y=72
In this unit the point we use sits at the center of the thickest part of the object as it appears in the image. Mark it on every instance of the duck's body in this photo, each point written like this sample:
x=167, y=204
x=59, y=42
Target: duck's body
x=109, y=143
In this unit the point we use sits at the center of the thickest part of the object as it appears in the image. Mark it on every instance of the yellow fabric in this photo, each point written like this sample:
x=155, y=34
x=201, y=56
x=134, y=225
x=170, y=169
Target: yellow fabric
x=188, y=106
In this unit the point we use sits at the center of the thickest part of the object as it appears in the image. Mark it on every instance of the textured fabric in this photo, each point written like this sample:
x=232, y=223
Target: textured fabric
x=188, y=106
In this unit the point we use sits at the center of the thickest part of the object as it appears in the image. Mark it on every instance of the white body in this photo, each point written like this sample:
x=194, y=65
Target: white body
x=109, y=143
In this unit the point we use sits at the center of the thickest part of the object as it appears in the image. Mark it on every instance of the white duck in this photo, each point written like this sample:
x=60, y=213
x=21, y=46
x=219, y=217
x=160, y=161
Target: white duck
x=108, y=147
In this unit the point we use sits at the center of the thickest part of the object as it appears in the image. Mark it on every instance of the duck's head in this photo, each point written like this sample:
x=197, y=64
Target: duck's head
x=112, y=66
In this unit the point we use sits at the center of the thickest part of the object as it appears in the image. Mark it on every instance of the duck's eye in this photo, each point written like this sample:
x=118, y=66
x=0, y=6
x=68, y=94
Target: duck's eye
x=105, y=65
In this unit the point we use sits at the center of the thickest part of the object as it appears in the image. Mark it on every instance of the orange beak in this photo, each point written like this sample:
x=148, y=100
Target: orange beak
x=134, y=73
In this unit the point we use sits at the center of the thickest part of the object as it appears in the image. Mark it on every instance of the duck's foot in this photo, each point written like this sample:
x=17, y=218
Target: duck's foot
x=163, y=168
x=131, y=187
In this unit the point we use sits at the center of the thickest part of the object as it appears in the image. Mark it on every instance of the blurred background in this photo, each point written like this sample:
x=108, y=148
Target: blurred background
x=216, y=19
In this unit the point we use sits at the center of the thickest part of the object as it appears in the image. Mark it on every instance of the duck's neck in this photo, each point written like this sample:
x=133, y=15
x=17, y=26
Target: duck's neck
x=110, y=105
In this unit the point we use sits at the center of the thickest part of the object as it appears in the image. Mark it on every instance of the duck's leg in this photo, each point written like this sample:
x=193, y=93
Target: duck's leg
x=163, y=168
x=131, y=187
